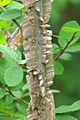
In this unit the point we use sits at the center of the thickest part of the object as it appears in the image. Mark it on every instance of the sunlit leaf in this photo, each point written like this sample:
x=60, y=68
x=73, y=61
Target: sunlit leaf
x=71, y=29
x=4, y=2
x=5, y=25
x=2, y=39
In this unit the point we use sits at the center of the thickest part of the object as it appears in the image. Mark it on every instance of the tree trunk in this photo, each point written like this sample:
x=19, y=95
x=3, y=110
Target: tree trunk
x=39, y=59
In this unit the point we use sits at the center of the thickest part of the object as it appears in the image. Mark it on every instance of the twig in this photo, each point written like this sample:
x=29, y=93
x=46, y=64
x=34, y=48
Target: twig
x=56, y=36
x=10, y=93
x=62, y=51
x=18, y=25
x=11, y=36
x=28, y=17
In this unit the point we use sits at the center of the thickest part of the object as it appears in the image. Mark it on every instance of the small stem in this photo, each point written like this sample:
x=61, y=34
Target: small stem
x=10, y=93
x=56, y=36
x=28, y=17
x=63, y=50
x=17, y=24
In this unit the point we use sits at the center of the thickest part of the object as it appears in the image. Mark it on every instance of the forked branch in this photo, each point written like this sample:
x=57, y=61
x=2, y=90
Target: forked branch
x=63, y=50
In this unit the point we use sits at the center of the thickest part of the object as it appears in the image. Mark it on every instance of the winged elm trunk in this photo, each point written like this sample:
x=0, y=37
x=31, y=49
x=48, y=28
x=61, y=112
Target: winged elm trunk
x=39, y=59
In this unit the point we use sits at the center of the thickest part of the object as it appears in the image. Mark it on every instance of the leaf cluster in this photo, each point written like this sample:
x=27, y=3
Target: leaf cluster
x=67, y=44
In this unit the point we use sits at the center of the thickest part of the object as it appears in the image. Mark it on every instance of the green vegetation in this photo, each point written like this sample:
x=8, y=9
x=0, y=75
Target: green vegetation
x=14, y=94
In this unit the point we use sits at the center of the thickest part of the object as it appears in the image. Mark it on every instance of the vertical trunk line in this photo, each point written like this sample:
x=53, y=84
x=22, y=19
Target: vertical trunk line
x=39, y=59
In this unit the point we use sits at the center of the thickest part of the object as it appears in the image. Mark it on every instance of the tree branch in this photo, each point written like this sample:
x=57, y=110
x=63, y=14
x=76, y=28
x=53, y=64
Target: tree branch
x=39, y=59
x=10, y=93
x=63, y=50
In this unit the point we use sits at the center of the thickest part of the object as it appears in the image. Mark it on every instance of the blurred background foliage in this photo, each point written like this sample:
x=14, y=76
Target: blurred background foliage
x=69, y=82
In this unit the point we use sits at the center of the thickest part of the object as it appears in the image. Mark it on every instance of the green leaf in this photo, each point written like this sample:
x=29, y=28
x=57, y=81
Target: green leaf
x=7, y=118
x=9, y=99
x=25, y=87
x=4, y=2
x=26, y=95
x=58, y=68
x=21, y=107
x=71, y=29
x=5, y=25
x=18, y=87
x=2, y=93
x=18, y=93
x=68, y=108
x=66, y=57
x=18, y=55
x=2, y=39
x=74, y=48
x=15, y=55
x=56, y=49
x=7, y=112
x=13, y=76
x=4, y=105
x=65, y=37
x=10, y=59
x=20, y=116
x=14, y=5
x=65, y=117
x=10, y=14
x=22, y=62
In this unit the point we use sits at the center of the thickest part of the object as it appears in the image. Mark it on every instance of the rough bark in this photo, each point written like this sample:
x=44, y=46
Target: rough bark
x=39, y=59
x=15, y=39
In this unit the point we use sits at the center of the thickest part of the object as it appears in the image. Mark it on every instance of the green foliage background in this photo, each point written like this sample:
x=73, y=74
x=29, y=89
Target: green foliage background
x=66, y=86
x=69, y=82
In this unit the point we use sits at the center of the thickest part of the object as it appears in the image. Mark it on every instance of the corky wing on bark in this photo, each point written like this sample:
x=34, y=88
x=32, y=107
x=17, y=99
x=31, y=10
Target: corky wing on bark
x=39, y=59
